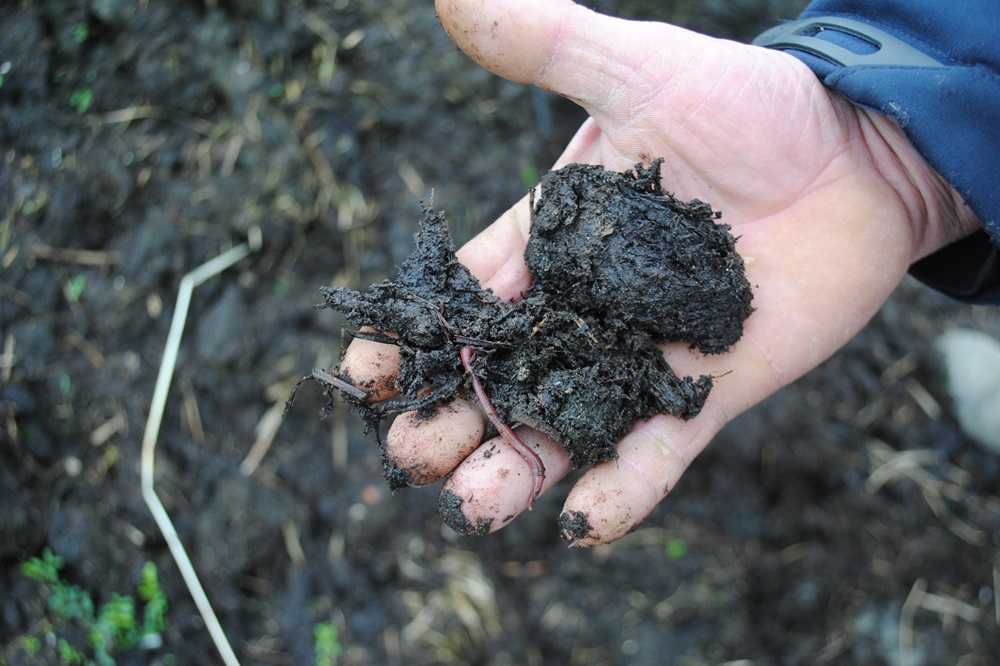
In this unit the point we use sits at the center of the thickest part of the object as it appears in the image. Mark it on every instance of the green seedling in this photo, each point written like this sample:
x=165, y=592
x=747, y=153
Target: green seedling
x=81, y=99
x=676, y=549
x=327, y=641
x=79, y=32
x=111, y=628
x=74, y=287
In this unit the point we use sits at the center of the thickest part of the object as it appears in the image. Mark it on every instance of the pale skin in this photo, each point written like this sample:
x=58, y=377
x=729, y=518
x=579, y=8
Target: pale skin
x=830, y=202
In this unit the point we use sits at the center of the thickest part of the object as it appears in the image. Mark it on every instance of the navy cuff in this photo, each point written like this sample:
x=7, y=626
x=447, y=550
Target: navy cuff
x=934, y=69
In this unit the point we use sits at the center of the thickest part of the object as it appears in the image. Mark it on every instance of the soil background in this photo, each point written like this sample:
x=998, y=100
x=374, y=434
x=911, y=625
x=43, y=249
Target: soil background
x=845, y=520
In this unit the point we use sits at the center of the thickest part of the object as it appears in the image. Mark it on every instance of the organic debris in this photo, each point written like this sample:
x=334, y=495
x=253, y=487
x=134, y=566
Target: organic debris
x=619, y=267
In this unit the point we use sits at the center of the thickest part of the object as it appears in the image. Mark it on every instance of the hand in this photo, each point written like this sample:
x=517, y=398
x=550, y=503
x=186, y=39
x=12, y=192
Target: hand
x=831, y=205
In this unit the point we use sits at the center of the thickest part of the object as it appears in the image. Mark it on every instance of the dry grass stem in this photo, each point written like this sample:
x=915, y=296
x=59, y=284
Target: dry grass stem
x=906, y=613
x=69, y=255
x=265, y=430
x=116, y=424
x=293, y=544
x=946, y=482
x=188, y=283
x=148, y=111
x=191, y=414
x=7, y=359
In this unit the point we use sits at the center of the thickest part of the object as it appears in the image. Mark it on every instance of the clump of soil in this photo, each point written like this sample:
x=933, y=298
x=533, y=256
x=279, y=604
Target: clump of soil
x=618, y=267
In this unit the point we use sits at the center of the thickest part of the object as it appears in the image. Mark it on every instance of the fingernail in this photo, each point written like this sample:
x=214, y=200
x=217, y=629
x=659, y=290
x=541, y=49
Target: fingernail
x=574, y=527
x=397, y=477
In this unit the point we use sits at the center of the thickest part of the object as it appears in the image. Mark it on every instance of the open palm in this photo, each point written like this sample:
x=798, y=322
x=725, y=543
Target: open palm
x=830, y=204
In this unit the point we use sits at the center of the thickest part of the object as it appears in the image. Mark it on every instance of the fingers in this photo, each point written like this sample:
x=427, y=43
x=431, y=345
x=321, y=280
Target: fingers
x=372, y=367
x=612, y=498
x=495, y=484
x=420, y=451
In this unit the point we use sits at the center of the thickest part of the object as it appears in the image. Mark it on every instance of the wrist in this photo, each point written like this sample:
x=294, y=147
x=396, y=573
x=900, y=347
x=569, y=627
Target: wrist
x=933, y=70
x=937, y=215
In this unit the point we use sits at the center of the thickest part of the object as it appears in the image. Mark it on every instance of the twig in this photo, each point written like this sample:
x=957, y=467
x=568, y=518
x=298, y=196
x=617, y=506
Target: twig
x=71, y=255
x=338, y=383
x=109, y=428
x=329, y=380
x=196, y=277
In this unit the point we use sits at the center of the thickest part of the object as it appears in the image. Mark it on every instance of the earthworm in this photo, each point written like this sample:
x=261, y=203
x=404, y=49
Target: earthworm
x=525, y=451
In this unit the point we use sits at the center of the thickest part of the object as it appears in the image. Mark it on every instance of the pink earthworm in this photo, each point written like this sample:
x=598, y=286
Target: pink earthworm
x=525, y=451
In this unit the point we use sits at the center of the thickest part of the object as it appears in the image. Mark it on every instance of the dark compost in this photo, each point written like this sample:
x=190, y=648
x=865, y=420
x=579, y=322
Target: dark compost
x=846, y=519
x=618, y=267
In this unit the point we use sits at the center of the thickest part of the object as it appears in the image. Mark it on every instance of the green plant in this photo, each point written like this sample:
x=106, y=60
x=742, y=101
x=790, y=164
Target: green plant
x=155, y=613
x=31, y=645
x=327, y=641
x=111, y=627
x=79, y=32
x=74, y=287
x=81, y=99
x=676, y=549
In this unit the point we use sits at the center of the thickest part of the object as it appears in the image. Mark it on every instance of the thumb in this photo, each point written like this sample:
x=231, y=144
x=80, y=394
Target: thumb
x=599, y=62
x=512, y=38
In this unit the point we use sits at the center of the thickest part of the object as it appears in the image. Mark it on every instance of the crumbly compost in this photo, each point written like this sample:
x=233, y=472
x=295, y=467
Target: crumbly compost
x=618, y=266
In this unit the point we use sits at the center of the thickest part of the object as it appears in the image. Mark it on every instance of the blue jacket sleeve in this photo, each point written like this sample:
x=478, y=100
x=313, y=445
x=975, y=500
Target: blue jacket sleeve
x=939, y=79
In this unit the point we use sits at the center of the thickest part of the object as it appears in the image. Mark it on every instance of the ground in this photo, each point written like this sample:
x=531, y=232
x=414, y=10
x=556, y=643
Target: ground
x=845, y=520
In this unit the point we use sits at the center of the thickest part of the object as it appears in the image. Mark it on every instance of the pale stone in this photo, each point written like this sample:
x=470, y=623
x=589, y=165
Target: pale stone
x=972, y=362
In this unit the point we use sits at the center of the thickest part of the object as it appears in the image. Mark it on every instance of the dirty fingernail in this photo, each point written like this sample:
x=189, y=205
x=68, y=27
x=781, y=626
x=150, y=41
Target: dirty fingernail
x=574, y=527
x=398, y=477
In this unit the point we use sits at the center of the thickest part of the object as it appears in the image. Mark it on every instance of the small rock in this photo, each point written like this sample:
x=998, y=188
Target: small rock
x=972, y=363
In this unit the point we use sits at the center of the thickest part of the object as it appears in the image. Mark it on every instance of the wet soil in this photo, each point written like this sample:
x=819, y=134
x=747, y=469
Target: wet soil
x=577, y=355
x=845, y=520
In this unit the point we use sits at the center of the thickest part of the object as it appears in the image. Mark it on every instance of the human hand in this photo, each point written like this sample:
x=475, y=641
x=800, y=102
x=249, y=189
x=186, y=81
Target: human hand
x=831, y=205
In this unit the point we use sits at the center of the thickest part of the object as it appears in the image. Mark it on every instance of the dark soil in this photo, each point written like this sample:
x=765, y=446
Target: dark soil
x=577, y=355
x=845, y=520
